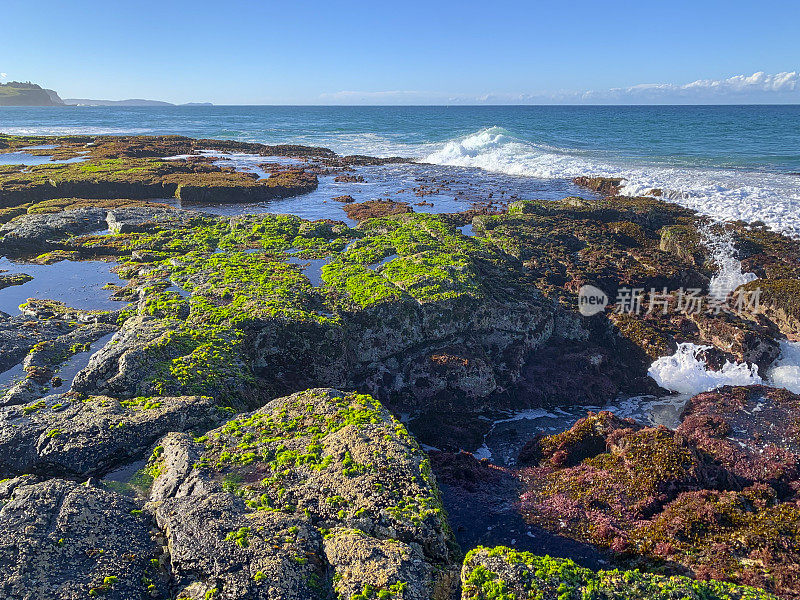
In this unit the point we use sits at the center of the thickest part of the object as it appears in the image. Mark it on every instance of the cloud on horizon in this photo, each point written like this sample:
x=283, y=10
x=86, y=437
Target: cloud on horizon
x=759, y=87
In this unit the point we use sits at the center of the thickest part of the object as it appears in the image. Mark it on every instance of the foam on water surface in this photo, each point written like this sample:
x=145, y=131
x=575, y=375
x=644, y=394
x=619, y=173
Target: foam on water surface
x=725, y=194
x=785, y=371
x=686, y=373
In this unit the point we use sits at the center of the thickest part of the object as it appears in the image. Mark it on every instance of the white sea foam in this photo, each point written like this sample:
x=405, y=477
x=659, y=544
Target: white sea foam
x=729, y=275
x=724, y=194
x=785, y=372
x=685, y=373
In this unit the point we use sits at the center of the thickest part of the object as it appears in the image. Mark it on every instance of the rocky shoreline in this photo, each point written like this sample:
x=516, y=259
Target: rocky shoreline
x=287, y=408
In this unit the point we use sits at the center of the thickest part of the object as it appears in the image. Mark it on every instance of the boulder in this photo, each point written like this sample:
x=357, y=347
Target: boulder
x=63, y=540
x=40, y=232
x=321, y=490
x=60, y=436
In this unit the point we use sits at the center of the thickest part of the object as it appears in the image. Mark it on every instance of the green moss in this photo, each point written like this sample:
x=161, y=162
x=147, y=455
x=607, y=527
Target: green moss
x=240, y=537
x=502, y=573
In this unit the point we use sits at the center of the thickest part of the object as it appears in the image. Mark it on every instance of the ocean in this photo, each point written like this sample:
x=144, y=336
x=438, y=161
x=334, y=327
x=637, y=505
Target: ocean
x=729, y=162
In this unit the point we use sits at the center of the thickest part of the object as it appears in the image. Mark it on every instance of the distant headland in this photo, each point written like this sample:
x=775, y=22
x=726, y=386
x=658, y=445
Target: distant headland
x=16, y=93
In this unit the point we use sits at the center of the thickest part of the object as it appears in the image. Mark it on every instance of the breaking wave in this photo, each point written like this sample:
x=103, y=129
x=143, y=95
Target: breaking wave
x=724, y=194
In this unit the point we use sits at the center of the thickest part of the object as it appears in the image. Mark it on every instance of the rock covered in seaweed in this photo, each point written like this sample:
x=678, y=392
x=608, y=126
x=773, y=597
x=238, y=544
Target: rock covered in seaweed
x=501, y=572
x=692, y=502
x=404, y=307
x=317, y=492
x=752, y=431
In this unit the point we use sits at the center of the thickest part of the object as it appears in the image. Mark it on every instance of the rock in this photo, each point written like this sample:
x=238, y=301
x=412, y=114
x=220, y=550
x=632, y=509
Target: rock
x=608, y=186
x=14, y=279
x=19, y=334
x=40, y=232
x=44, y=359
x=345, y=199
x=376, y=208
x=779, y=302
x=316, y=485
x=768, y=254
x=126, y=168
x=751, y=431
x=742, y=340
x=141, y=220
x=368, y=566
x=234, y=189
x=62, y=540
x=349, y=179
x=691, y=502
x=215, y=543
x=683, y=241
x=123, y=368
x=503, y=572
x=407, y=309
x=62, y=436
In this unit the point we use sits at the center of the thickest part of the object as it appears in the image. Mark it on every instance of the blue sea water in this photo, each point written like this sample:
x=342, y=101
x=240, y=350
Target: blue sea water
x=730, y=162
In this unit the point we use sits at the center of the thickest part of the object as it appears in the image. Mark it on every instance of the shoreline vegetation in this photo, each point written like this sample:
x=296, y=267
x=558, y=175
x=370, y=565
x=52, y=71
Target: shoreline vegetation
x=282, y=407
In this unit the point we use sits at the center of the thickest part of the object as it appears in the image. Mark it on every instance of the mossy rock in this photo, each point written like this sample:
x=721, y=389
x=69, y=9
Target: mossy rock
x=778, y=301
x=319, y=491
x=502, y=573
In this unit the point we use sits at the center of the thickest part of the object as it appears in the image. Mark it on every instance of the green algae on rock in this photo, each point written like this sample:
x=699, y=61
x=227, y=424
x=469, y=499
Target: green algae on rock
x=7, y=280
x=502, y=573
x=221, y=305
x=318, y=491
x=133, y=168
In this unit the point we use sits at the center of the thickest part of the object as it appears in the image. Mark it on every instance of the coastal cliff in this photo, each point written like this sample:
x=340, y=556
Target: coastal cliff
x=15, y=93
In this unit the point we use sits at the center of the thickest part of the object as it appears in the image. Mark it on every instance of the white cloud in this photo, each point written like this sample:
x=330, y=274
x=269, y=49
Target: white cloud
x=3, y=75
x=759, y=87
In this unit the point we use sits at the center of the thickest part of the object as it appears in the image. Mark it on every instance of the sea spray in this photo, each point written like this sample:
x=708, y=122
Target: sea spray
x=785, y=371
x=730, y=274
x=685, y=372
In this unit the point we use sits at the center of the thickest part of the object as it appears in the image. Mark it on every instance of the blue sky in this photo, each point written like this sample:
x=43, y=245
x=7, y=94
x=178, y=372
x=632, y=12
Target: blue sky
x=408, y=52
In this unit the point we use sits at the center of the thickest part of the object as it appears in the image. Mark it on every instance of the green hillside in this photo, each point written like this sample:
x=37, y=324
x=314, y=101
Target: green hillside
x=15, y=93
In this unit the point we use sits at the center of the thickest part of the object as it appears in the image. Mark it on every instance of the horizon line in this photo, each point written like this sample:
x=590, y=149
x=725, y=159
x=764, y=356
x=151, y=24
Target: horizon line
x=457, y=105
